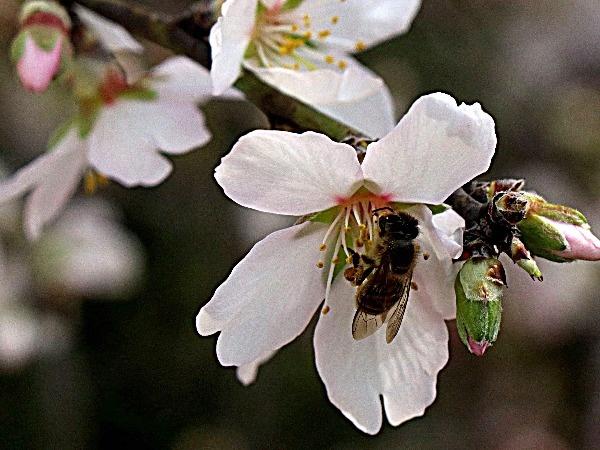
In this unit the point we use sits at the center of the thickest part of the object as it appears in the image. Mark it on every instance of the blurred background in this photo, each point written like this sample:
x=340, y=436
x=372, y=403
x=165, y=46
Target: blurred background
x=98, y=347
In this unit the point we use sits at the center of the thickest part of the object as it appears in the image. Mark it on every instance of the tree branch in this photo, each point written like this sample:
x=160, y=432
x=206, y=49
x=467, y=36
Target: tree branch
x=188, y=34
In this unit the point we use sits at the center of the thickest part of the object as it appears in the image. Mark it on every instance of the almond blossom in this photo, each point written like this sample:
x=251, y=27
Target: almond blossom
x=303, y=49
x=121, y=137
x=272, y=294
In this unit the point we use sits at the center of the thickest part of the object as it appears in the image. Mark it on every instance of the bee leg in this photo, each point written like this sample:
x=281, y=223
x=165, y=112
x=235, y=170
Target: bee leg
x=355, y=258
x=362, y=274
x=366, y=260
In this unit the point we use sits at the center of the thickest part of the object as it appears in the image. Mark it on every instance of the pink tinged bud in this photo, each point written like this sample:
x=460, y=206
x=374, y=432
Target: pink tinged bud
x=37, y=67
x=581, y=242
x=477, y=348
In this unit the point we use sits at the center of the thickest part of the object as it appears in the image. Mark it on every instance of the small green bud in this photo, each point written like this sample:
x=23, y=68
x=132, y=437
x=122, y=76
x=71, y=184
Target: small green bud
x=479, y=288
x=522, y=257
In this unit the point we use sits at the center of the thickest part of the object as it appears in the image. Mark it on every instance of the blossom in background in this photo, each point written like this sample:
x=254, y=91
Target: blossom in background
x=86, y=253
x=111, y=36
x=272, y=294
x=121, y=137
x=303, y=49
x=42, y=46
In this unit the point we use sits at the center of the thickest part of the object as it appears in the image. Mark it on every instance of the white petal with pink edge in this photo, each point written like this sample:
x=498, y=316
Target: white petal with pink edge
x=435, y=148
x=287, y=173
x=404, y=372
x=269, y=298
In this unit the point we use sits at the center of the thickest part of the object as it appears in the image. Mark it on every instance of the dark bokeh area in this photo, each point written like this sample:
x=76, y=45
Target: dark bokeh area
x=135, y=373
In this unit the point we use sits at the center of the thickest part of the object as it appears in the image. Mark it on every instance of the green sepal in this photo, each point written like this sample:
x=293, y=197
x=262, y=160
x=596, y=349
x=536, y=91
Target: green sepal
x=479, y=288
x=45, y=37
x=291, y=4
x=541, y=237
x=60, y=132
x=17, y=47
x=478, y=320
x=251, y=51
x=140, y=94
x=326, y=216
x=559, y=213
x=438, y=209
x=480, y=280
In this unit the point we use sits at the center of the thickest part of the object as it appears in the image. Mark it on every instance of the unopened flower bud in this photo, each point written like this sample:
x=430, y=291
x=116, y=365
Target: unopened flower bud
x=558, y=233
x=479, y=287
x=42, y=48
x=523, y=258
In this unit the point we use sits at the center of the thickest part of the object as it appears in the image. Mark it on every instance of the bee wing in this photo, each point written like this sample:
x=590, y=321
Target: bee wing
x=365, y=324
x=395, y=320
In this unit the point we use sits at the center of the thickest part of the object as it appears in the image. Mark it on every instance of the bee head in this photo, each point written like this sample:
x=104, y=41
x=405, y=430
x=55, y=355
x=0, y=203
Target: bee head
x=397, y=225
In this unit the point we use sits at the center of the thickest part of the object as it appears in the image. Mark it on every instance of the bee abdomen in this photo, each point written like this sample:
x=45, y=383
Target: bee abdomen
x=402, y=256
x=376, y=299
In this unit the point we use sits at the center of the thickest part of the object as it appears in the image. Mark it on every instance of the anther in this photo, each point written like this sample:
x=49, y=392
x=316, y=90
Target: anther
x=320, y=264
x=425, y=256
x=323, y=247
x=325, y=309
x=335, y=19
x=414, y=286
x=329, y=59
x=360, y=46
x=324, y=34
x=342, y=64
x=335, y=260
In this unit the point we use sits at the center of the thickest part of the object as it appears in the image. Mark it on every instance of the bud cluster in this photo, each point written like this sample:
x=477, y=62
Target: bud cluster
x=502, y=218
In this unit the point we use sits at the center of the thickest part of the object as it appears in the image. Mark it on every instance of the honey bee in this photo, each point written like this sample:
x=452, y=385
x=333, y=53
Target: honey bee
x=383, y=275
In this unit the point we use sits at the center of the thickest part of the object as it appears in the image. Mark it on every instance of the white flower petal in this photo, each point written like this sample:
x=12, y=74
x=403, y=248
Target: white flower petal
x=367, y=21
x=53, y=177
x=181, y=79
x=123, y=153
x=440, y=240
x=229, y=39
x=356, y=373
x=126, y=140
x=50, y=195
x=436, y=148
x=176, y=128
x=113, y=37
x=248, y=372
x=88, y=253
x=355, y=96
x=269, y=297
x=287, y=173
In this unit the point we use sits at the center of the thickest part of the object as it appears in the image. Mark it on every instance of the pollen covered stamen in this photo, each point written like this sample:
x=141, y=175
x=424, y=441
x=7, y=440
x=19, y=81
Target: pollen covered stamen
x=286, y=38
